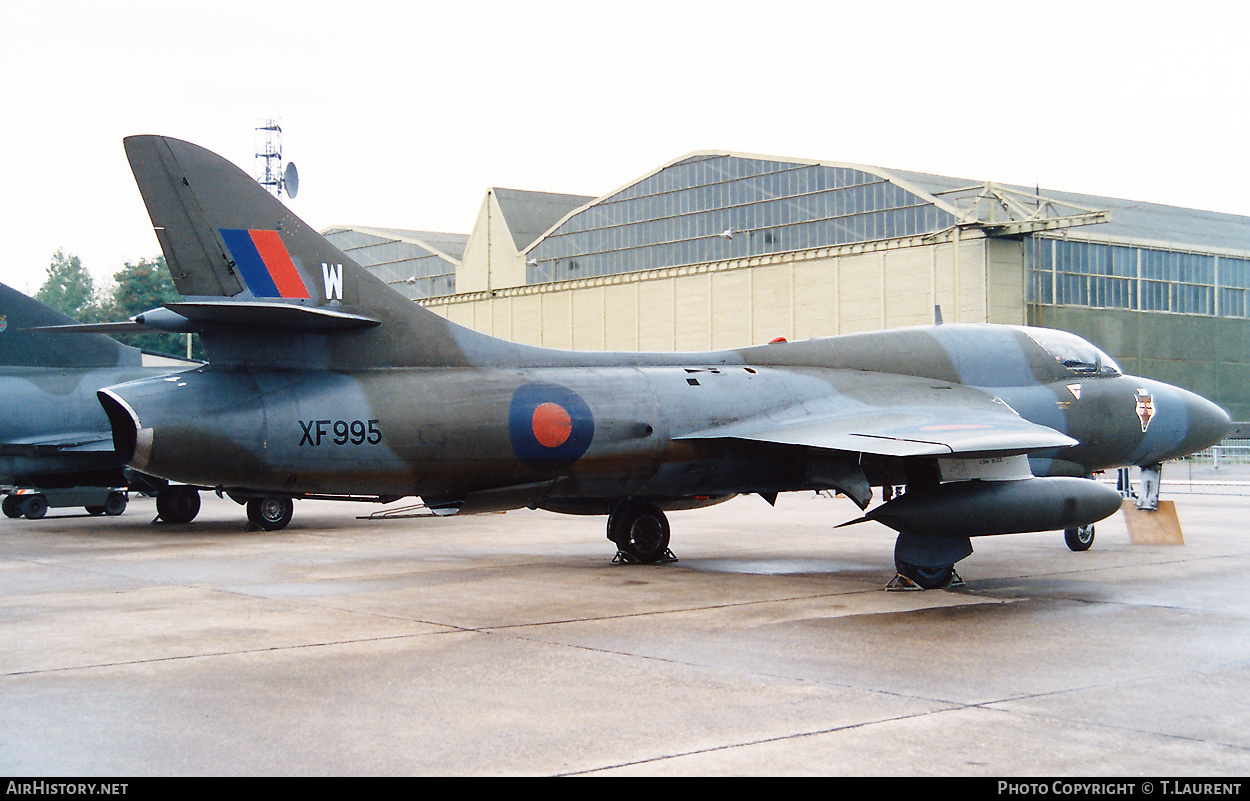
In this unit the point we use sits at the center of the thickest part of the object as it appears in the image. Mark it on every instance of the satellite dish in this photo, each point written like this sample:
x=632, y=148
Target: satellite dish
x=290, y=179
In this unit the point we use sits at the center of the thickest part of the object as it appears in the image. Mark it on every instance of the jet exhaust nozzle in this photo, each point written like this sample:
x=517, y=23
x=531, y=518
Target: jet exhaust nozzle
x=124, y=423
x=981, y=508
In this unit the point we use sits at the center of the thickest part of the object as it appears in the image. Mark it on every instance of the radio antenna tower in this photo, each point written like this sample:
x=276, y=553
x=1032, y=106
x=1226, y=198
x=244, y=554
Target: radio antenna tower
x=275, y=177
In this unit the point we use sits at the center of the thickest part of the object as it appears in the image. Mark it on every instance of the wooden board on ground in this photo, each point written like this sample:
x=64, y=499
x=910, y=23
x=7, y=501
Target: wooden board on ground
x=1160, y=527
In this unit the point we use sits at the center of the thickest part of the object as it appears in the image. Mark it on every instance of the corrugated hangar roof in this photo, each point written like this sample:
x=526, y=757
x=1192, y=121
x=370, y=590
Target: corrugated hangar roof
x=1130, y=219
x=529, y=215
x=450, y=245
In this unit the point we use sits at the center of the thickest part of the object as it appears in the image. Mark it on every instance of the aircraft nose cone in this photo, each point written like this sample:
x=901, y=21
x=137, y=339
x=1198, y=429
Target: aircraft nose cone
x=1208, y=423
x=1175, y=422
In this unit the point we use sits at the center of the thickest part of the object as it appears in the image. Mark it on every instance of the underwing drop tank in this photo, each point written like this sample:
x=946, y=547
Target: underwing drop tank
x=981, y=508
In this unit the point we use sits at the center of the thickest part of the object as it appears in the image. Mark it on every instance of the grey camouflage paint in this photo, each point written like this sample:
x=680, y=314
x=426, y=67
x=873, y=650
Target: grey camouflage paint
x=354, y=390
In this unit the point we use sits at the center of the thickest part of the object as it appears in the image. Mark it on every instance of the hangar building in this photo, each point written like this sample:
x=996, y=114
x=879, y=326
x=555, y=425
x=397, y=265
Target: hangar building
x=718, y=249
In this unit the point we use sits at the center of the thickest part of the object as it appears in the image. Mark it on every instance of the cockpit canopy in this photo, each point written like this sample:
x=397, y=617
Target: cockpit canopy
x=1075, y=354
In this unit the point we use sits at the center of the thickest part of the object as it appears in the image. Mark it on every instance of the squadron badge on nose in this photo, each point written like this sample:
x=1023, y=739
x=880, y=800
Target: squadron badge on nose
x=1145, y=408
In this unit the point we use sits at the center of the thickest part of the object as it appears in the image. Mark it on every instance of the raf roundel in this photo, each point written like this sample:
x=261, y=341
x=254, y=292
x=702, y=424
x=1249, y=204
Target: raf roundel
x=550, y=425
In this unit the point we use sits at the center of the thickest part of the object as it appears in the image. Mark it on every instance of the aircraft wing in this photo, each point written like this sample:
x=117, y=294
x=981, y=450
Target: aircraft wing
x=77, y=441
x=895, y=415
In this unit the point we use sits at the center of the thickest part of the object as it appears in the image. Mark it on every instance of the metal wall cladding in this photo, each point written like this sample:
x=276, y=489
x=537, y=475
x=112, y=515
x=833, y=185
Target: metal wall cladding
x=741, y=303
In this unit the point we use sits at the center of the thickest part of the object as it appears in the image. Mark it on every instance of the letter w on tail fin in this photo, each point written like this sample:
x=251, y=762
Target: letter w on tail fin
x=332, y=277
x=262, y=287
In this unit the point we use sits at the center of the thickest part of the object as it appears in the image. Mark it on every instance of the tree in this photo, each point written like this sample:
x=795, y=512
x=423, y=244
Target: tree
x=68, y=288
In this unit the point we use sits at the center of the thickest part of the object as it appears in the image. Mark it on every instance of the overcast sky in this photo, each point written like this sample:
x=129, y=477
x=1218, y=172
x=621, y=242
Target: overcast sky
x=403, y=114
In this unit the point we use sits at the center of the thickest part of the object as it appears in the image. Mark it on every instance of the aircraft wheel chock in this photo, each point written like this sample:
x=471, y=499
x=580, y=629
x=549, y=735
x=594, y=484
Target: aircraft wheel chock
x=178, y=504
x=640, y=529
x=270, y=514
x=1079, y=539
x=929, y=578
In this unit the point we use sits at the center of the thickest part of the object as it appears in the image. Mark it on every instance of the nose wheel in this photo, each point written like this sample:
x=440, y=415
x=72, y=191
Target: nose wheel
x=1079, y=539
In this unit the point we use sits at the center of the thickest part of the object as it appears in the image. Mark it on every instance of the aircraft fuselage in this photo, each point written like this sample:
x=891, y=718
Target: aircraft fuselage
x=599, y=431
x=53, y=432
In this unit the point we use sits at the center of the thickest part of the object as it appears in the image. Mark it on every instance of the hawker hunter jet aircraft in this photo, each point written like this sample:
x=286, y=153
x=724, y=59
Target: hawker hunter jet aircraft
x=323, y=381
x=55, y=442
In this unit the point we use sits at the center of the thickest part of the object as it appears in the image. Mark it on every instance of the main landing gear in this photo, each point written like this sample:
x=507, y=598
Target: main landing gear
x=178, y=504
x=927, y=562
x=271, y=514
x=181, y=504
x=640, y=530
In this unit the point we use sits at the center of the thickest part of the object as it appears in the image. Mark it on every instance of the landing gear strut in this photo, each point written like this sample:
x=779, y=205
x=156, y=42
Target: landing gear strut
x=640, y=531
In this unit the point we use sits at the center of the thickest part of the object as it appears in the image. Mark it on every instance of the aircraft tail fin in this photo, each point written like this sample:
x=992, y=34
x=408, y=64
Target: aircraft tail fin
x=261, y=286
x=20, y=346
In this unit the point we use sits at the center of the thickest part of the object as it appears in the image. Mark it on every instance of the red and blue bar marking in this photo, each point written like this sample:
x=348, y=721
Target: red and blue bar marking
x=264, y=263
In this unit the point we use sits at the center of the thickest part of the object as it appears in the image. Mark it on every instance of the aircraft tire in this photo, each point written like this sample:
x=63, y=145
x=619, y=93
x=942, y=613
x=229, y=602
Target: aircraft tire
x=1079, y=539
x=640, y=529
x=178, y=504
x=12, y=505
x=34, y=507
x=929, y=578
x=115, y=504
x=270, y=514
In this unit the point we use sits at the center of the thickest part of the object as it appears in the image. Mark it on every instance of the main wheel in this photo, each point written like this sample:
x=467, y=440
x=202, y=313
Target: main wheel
x=640, y=530
x=930, y=578
x=115, y=504
x=34, y=507
x=1079, y=539
x=270, y=514
x=178, y=504
x=12, y=505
